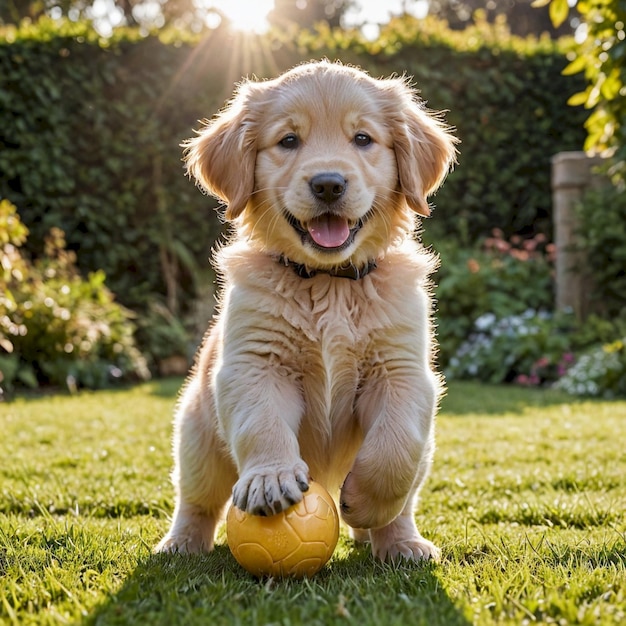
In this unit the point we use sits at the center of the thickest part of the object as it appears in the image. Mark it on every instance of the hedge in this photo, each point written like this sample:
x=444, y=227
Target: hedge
x=90, y=132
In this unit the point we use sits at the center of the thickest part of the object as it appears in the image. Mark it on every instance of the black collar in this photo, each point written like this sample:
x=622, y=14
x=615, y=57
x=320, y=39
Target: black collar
x=344, y=271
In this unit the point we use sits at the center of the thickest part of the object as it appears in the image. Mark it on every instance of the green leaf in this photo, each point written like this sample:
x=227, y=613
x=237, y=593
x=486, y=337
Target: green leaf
x=577, y=65
x=26, y=374
x=559, y=10
x=612, y=85
x=9, y=366
x=578, y=98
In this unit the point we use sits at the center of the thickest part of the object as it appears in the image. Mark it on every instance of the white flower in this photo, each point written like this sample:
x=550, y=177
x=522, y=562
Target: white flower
x=485, y=321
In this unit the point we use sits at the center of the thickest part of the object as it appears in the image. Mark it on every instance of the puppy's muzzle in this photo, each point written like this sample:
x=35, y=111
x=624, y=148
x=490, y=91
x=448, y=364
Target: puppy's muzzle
x=328, y=186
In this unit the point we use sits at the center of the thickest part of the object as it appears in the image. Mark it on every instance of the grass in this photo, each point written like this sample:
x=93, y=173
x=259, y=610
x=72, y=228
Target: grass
x=527, y=499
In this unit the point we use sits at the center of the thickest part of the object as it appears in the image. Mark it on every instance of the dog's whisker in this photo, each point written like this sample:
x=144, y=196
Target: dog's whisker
x=257, y=223
x=269, y=188
x=274, y=223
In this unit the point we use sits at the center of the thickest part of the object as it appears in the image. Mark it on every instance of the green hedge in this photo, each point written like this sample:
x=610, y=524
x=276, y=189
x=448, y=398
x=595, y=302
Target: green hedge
x=90, y=132
x=90, y=135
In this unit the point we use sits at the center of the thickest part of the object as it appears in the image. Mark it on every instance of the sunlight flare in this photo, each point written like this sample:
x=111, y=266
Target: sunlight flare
x=245, y=15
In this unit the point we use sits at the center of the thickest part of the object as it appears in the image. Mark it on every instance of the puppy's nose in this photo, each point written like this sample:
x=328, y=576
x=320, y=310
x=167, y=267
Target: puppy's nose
x=328, y=186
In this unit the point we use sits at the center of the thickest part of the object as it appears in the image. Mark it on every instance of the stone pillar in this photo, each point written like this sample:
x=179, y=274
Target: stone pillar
x=572, y=175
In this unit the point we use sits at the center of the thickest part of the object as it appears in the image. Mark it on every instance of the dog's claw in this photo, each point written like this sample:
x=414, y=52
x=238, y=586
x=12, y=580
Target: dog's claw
x=270, y=490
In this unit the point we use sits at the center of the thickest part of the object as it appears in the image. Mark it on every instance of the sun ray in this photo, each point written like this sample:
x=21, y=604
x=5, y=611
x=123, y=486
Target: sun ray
x=245, y=15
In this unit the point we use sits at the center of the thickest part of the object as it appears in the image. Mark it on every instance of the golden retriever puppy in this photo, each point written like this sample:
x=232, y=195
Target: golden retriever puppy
x=319, y=363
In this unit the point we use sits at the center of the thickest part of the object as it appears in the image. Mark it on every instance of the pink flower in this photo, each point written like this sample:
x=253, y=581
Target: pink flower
x=473, y=266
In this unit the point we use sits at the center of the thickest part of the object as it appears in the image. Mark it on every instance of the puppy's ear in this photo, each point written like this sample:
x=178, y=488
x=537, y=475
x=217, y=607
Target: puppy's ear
x=222, y=157
x=425, y=152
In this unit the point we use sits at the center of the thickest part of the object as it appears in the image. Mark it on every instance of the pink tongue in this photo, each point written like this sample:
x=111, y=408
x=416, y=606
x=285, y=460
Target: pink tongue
x=329, y=231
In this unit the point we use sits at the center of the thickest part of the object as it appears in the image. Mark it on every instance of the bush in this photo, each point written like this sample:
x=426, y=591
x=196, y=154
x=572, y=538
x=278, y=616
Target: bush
x=164, y=334
x=600, y=368
x=496, y=323
x=500, y=278
x=601, y=372
x=541, y=348
x=601, y=55
x=55, y=326
x=601, y=237
x=531, y=349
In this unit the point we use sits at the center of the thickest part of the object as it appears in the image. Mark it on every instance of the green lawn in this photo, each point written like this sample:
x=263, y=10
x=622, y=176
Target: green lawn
x=527, y=499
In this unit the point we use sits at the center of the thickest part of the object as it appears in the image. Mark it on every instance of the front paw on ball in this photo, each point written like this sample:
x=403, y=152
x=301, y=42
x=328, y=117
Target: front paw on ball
x=270, y=490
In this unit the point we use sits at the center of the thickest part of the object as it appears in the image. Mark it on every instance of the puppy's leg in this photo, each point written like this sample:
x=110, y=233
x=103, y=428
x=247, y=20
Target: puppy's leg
x=396, y=411
x=203, y=476
x=261, y=416
x=401, y=538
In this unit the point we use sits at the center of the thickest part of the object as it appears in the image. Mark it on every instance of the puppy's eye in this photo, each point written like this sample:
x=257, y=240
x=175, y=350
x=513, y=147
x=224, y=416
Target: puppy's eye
x=362, y=140
x=289, y=142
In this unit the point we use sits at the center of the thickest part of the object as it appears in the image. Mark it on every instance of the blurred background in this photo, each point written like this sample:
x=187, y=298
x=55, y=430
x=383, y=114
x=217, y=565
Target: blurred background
x=105, y=276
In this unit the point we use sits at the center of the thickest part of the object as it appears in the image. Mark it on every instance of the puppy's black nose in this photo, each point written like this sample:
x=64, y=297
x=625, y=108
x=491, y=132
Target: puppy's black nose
x=328, y=186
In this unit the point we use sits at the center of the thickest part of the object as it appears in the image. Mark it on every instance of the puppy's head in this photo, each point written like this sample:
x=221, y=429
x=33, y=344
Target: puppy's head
x=323, y=165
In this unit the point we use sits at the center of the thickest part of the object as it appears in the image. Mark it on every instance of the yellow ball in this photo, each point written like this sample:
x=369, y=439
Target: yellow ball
x=295, y=543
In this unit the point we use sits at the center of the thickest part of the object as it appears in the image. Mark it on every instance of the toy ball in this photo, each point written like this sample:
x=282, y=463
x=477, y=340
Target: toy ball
x=294, y=543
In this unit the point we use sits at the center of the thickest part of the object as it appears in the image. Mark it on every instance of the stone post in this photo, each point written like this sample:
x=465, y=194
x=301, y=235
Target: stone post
x=572, y=175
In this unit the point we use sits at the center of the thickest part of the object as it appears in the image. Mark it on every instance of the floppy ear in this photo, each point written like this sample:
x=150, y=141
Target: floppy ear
x=425, y=152
x=222, y=157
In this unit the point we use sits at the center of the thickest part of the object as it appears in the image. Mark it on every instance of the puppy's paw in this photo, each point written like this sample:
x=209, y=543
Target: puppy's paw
x=171, y=544
x=192, y=532
x=418, y=549
x=401, y=540
x=269, y=490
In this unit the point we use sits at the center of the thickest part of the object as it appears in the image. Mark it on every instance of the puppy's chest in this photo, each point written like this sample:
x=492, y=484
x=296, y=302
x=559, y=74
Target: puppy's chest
x=331, y=371
x=334, y=350
x=333, y=332
x=334, y=309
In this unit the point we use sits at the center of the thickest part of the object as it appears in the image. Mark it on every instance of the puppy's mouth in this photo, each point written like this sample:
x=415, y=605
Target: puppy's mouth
x=327, y=232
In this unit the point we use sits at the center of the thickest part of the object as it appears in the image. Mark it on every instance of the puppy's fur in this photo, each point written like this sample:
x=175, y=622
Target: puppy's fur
x=306, y=373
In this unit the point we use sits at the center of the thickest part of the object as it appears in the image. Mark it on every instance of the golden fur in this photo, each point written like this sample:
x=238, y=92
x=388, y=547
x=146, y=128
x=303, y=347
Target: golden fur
x=305, y=374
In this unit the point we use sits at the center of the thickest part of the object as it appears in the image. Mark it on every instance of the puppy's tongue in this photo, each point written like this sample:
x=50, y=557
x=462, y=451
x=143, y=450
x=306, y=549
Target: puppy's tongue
x=329, y=231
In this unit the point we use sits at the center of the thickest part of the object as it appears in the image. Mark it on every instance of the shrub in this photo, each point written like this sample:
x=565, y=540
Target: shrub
x=55, y=326
x=531, y=349
x=601, y=55
x=500, y=278
x=163, y=333
x=601, y=371
x=541, y=348
x=602, y=238
x=90, y=144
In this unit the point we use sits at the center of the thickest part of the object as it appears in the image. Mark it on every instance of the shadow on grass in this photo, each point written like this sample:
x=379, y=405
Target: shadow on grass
x=466, y=398
x=213, y=589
